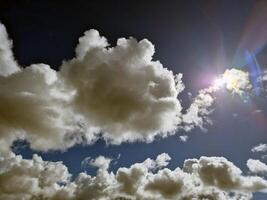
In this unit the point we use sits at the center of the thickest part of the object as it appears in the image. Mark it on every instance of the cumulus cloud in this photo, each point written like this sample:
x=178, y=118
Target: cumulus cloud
x=32, y=179
x=219, y=172
x=256, y=166
x=121, y=89
x=116, y=93
x=119, y=94
x=34, y=107
x=141, y=181
x=204, y=178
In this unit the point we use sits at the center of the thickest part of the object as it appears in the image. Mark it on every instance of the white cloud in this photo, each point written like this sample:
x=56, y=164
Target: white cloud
x=204, y=178
x=35, y=107
x=7, y=63
x=183, y=138
x=90, y=41
x=198, y=112
x=260, y=148
x=219, y=172
x=121, y=90
x=256, y=166
x=162, y=160
x=100, y=162
x=26, y=179
x=117, y=93
x=121, y=93
x=142, y=181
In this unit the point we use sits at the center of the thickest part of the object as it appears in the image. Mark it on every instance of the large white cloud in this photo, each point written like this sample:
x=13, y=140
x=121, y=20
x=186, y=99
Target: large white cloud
x=121, y=90
x=205, y=178
x=117, y=93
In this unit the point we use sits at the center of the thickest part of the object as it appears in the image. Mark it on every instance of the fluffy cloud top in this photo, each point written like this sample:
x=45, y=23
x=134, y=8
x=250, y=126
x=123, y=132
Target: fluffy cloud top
x=205, y=178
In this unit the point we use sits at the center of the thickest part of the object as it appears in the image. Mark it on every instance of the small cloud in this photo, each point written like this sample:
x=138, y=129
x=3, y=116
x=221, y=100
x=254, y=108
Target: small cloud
x=183, y=138
x=260, y=148
x=100, y=162
x=256, y=166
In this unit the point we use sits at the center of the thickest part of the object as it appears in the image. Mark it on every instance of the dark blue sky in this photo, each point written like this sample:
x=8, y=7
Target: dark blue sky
x=196, y=38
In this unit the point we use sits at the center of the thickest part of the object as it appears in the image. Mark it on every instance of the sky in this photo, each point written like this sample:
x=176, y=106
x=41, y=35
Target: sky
x=102, y=110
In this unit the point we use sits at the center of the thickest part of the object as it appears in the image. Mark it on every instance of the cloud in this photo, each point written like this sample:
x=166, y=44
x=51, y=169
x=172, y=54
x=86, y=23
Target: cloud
x=260, y=148
x=119, y=94
x=121, y=90
x=256, y=166
x=219, y=172
x=28, y=179
x=234, y=80
x=162, y=160
x=183, y=138
x=34, y=107
x=203, y=178
x=117, y=91
x=197, y=115
x=100, y=162
x=7, y=62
